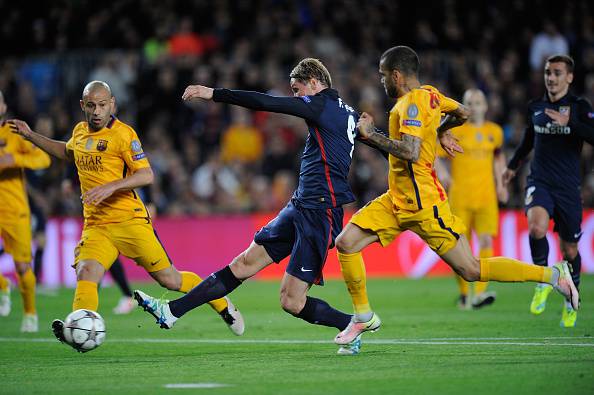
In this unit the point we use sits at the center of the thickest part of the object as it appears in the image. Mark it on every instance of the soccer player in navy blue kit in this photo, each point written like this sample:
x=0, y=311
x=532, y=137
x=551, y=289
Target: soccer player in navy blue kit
x=558, y=125
x=307, y=226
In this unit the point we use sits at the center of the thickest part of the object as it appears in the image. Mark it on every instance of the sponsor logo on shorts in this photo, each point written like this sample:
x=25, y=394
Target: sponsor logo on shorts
x=529, y=196
x=306, y=270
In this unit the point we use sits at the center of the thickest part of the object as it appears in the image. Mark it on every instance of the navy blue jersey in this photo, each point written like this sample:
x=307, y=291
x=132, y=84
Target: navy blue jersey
x=326, y=160
x=557, y=149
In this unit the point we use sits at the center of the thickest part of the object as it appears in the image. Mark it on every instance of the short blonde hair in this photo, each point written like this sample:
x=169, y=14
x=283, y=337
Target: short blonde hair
x=309, y=68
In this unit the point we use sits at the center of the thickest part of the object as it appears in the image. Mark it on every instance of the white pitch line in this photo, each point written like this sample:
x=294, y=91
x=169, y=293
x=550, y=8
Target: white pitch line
x=196, y=385
x=433, y=342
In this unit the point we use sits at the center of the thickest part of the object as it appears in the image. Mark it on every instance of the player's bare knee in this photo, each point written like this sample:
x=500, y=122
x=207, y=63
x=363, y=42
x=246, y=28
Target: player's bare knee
x=21, y=267
x=290, y=304
x=89, y=271
x=537, y=231
x=471, y=271
x=344, y=244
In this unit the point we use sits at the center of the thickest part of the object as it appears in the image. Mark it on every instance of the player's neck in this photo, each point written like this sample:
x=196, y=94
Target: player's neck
x=477, y=121
x=409, y=85
x=557, y=96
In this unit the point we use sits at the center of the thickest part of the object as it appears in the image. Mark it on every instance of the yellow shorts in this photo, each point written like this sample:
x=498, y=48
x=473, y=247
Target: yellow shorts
x=435, y=225
x=483, y=220
x=135, y=239
x=16, y=236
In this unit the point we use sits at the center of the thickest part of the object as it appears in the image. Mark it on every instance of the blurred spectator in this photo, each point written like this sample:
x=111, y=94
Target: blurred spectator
x=546, y=43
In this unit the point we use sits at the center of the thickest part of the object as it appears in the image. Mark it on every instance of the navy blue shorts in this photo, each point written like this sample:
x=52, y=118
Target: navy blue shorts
x=306, y=235
x=563, y=205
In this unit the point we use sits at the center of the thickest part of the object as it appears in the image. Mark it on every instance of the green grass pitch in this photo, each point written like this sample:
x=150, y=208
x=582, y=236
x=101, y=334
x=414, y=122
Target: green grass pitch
x=425, y=346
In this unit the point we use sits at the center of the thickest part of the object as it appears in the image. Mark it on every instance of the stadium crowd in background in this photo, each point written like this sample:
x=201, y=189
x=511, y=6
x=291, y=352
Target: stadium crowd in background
x=220, y=159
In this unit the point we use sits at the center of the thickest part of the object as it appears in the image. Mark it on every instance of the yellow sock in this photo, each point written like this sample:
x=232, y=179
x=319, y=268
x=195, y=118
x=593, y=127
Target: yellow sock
x=481, y=286
x=3, y=283
x=462, y=285
x=86, y=296
x=510, y=270
x=190, y=280
x=27, y=288
x=353, y=272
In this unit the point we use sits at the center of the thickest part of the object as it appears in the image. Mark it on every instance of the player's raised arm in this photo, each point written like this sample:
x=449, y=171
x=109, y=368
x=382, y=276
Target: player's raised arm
x=254, y=100
x=408, y=148
x=53, y=147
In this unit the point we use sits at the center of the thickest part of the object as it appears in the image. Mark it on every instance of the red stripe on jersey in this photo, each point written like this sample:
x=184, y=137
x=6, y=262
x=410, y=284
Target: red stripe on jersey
x=442, y=195
x=326, y=168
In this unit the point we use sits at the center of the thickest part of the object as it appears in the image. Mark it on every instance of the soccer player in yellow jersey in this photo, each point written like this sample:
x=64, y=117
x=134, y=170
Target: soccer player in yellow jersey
x=110, y=162
x=416, y=200
x=16, y=155
x=474, y=185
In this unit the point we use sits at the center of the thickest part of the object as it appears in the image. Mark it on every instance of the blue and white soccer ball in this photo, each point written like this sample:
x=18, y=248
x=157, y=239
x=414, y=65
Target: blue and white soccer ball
x=84, y=330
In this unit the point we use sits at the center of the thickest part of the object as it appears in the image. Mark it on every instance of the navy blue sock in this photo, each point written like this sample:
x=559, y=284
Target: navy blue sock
x=213, y=287
x=37, y=262
x=318, y=312
x=539, y=249
x=576, y=268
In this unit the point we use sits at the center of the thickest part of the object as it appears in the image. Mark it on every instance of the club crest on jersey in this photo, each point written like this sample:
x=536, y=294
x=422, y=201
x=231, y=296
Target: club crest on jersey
x=478, y=137
x=89, y=144
x=412, y=111
x=2, y=143
x=564, y=110
x=102, y=145
x=135, y=146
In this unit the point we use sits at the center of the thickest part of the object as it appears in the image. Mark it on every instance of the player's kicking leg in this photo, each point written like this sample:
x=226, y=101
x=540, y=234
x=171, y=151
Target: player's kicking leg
x=184, y=282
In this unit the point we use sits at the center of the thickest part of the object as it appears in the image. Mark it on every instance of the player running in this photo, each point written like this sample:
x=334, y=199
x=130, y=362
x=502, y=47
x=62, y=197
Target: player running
x=474, y=185
x=558, y=125
x=307, y=226
x=16, y=155
x=111, y=163
x=416, y=200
